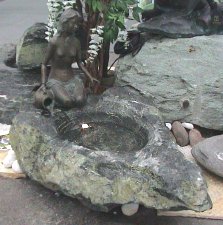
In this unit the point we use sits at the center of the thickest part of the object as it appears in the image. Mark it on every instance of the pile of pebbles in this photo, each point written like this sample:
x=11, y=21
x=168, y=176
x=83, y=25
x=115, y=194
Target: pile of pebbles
x=184, y=133
x=10, y=160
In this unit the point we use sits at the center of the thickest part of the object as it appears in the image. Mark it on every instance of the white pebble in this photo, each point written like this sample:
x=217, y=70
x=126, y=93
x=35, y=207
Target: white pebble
x=4, y=141
x=9, y=159
x=168, y=125
x=4, y=129
x=11, y=152
x=84, y=126
x=130, y=209
x=9, y=147
x=188, y=126
x=16, y=168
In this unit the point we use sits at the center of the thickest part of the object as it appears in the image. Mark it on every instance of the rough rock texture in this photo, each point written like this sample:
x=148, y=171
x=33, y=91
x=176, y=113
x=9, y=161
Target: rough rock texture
x=15, y=89
x=10, y=59
x=180, y=19
x=183, y=77
x=156, y=175
x=209, y=153
x=15, y=94
x=174, y=25
x=31, y=48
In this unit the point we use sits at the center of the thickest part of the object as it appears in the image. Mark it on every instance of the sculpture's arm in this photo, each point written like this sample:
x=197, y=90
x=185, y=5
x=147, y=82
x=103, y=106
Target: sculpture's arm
x=81, y=65
x=49, y=55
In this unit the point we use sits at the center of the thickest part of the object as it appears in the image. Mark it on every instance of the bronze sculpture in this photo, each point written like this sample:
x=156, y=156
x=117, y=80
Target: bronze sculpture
x=62, y=86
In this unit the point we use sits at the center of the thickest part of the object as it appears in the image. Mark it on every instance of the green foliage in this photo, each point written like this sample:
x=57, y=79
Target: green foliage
x=148, y=6
x=95, y=5
x=136, y=12
x=114, y=13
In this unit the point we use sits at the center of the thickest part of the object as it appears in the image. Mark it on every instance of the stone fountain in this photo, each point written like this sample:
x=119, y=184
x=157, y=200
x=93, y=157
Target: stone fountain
x=113, y=153
x=117, y=151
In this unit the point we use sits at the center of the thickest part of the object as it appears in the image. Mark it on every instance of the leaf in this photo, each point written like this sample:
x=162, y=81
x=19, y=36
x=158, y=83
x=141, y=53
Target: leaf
x=120, y=25
x=99, y=6
x=130, y=2
x=135, y=13
x=120, y=4
x=111, y=33
x=148, y=6
x=96, y=5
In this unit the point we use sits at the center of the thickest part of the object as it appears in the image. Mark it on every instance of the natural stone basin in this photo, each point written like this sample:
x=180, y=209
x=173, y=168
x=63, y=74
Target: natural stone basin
x=132, y=158
x=104, y=133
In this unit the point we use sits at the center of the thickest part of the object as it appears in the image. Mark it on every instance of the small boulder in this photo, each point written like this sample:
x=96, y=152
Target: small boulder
x=10, y=59
x=130, y=209
x=31, y=48
x=168, y=125
x=9, y=159
x=16, y=167
x=188, y=126
x=180, y=134
x=195, y=137
x=209, y=153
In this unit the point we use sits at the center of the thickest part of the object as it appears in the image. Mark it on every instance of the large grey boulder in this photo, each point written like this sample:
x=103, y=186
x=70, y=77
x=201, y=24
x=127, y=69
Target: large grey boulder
x=15, y=94
x=174, y=25
x=125, y=156
x=31, y=48
x=15, y=89
x=209, y=153
x=183, y=77
x=181, y=19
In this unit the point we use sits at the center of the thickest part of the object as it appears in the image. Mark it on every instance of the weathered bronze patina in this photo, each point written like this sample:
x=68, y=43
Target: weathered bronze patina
x=62, y=86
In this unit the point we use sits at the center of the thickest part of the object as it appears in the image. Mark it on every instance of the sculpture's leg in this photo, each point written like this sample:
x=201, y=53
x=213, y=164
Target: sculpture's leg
x=79, y=92
x=62, y=97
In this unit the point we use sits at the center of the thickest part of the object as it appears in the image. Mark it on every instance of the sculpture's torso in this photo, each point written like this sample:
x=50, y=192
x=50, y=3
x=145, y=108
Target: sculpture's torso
x=65, y=53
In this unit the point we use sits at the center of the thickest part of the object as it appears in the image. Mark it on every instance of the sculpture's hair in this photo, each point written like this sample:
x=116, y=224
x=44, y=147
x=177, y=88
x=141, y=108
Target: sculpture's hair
x=66, y=16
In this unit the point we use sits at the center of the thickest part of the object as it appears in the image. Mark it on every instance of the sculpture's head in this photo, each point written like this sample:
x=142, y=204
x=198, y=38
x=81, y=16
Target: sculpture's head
x=70, y=20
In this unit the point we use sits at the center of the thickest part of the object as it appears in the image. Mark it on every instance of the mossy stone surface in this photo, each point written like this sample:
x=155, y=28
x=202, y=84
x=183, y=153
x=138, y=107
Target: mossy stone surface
x=32, y=47
x=156, y=176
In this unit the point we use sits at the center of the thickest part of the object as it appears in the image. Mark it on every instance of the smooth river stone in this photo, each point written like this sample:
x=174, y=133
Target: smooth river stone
x=180, y=134
x=195, y=137
x=209, y=153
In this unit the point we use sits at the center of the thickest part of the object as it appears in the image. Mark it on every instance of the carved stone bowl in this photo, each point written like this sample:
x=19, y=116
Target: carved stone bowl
x=113, y=153
x=104, y=132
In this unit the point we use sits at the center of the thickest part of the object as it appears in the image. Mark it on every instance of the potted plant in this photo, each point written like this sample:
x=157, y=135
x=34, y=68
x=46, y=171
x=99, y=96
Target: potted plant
x=103, y=21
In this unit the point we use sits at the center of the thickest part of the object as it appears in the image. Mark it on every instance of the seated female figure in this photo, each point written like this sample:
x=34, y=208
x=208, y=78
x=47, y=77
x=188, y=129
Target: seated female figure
x=62, y=86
